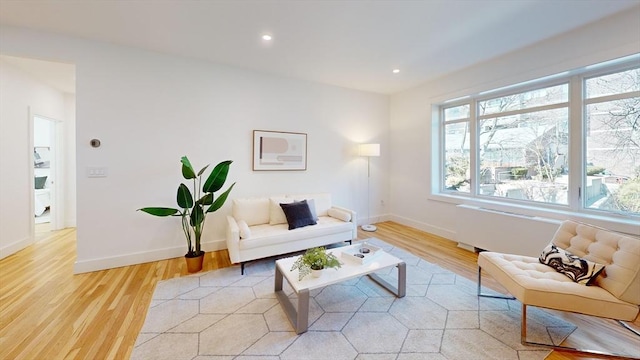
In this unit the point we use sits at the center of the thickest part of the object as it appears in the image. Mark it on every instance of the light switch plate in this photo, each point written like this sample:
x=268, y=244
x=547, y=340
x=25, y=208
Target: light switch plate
x=96, y=172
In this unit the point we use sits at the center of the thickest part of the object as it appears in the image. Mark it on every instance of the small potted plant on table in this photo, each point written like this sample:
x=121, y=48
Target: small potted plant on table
x=313, y=261
x=194, y=206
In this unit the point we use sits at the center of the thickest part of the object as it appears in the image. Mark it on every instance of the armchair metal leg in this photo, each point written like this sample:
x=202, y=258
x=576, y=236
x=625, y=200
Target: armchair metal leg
x=523, y=340
x=495, y=296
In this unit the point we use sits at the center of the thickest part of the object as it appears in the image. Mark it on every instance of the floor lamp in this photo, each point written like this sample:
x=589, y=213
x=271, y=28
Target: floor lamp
x=369, y=150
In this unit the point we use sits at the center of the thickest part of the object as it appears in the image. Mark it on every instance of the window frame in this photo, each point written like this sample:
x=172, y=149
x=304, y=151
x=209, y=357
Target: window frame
x=576, y=106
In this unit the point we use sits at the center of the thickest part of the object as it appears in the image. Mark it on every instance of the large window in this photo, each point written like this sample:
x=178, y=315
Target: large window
x=520, y=145
x=612, y=142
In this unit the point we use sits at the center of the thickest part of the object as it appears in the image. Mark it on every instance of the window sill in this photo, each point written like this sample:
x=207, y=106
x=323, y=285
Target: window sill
x=622, y=223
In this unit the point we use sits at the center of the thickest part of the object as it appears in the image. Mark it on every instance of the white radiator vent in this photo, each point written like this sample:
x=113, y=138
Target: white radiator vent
x=503, y=231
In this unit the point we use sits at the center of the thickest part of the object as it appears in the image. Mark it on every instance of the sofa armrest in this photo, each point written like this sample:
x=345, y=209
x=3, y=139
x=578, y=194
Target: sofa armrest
x=233, y=239
x=353, y=221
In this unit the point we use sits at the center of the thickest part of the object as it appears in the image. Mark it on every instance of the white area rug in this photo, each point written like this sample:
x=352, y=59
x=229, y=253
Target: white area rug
x=222, y=315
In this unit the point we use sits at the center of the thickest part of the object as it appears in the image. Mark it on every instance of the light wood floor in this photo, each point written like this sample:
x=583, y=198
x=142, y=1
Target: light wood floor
x=46, y=312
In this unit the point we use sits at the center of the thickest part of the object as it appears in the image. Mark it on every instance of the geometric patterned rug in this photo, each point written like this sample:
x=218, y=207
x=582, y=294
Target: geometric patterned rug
x=222, y=315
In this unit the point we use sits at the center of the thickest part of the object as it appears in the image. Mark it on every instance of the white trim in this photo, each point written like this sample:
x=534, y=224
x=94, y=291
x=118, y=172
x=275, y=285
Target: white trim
x=141, y=257
x=523, y=111
x=623, y=56
x=31, y=175
x=15, y=246
x=619, y=223
x=432, y=229
x=607, y=98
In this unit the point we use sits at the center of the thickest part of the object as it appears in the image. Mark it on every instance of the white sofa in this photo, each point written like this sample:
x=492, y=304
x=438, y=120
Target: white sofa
x=258, y=227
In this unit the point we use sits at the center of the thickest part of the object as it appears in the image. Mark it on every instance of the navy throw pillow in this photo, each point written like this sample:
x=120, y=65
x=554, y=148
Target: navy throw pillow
x=298, y=214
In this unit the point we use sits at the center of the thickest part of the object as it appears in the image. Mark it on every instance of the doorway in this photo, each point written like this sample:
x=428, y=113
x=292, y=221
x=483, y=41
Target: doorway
x=47, y=202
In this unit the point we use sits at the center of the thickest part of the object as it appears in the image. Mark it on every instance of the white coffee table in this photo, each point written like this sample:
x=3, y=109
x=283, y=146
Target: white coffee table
x=349, y=270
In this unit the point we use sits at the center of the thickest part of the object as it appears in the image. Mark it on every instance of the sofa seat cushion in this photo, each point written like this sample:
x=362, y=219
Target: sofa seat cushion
x=267, y=235
x=539, y=285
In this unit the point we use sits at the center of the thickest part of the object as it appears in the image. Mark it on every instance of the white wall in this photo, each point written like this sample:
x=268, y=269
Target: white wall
x=149, y=109
x=411, y=110
x=20, y=94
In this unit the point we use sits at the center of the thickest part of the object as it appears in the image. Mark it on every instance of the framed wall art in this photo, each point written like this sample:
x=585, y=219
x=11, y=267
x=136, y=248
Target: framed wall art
x=276, y=150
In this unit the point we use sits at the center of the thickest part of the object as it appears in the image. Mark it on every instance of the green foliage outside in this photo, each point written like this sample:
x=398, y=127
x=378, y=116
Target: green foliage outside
x=627, y=198
x=519, y=172
x=592, y=170
x=457, y=170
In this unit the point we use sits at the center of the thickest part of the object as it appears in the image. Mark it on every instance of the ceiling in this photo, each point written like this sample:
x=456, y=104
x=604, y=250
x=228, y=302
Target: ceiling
x=354, y=44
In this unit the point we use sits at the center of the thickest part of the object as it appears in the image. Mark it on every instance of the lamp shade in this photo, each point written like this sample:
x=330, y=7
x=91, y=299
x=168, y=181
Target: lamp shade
x=369, y=149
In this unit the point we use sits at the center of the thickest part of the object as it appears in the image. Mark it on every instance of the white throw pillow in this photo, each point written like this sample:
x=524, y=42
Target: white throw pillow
x=312, y=208
x=245, y=232
x=276, y=215
x=340, y=214
x=322, y=201
x=254, y=211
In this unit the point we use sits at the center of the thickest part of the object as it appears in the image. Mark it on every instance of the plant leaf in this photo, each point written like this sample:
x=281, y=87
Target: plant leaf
x=206, y=200
x=197, y=215
x=160, y=211
x=187, y=169
x=203, y=169
x=184, y=197
x=220, y=200
x=217, y=177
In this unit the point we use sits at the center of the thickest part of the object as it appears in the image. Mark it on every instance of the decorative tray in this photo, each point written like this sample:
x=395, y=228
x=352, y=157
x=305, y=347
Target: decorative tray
x=362, y=253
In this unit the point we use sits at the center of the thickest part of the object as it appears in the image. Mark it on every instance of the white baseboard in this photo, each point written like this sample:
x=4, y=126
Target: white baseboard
x=374, y=219
x=140, y=257
x=178, y=251
x=15, y=247
x=466, y=247
x=436, y=230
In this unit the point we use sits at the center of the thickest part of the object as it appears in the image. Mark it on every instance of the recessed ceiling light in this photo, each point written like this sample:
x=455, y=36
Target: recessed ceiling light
x=267, y=37
x=395, y=71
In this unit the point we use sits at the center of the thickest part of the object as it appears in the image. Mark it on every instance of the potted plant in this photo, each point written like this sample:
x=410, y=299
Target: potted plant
x=195, y=205
x=313, y=261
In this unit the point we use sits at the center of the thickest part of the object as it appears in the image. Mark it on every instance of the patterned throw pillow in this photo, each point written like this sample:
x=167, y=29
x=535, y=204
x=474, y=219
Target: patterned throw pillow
x=577, y=269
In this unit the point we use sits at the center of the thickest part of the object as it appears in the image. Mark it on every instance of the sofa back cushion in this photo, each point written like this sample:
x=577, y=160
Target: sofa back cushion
x=321, y=200
x=620, y=253
x=254, y=211
x=276, y=215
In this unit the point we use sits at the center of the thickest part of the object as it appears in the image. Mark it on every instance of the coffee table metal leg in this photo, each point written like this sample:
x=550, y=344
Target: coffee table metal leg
x=278, y=280
x=402, y=279
x=299, y=319
x=401, y=290
x=302, y=321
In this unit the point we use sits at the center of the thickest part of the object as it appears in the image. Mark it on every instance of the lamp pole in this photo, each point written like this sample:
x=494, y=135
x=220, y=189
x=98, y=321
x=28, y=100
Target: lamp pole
x=369, y=150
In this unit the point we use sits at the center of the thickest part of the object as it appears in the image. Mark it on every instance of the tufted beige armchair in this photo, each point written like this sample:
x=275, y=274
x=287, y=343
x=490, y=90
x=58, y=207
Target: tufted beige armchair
x=615, y=294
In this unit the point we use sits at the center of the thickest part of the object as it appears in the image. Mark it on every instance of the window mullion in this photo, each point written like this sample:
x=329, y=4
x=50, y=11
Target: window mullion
x=525, y=111
x=576, y=143
x=474, y=166
x=613, y=97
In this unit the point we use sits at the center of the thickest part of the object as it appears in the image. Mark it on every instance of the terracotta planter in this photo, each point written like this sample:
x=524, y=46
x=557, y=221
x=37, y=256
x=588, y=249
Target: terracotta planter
x=194, y=264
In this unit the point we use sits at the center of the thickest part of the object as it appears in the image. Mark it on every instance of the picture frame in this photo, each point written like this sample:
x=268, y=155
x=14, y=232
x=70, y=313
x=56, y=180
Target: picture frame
x=279, y=150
